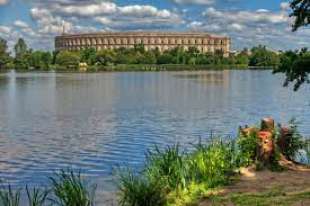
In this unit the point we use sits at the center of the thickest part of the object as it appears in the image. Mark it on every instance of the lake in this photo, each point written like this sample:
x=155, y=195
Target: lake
x=98, y=121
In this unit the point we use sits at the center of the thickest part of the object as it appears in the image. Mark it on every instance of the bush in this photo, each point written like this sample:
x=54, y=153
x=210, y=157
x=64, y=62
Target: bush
x=212, y=163
x=294, y=142
x=168, y=166
x=70, y=190
x=137, y=190
x=247, y=149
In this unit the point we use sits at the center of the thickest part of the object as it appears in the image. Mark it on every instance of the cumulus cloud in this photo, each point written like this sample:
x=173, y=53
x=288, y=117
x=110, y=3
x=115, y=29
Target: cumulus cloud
x=258, y=16
x=85, y=10
x=20, y=24
x=5, y=29
x=202, y=2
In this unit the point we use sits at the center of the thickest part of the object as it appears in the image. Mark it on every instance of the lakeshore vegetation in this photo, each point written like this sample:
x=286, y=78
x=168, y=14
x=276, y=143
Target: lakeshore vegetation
x=137, y=58
x=173, y=175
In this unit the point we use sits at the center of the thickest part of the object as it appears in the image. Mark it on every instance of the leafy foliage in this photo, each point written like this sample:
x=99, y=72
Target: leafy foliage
x=294, y=142
x=301, y=12
x=296, y=66
x=247, y=149
x=70, y=189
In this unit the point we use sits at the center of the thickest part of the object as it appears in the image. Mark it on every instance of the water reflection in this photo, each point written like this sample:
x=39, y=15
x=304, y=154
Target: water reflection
x=98, y=121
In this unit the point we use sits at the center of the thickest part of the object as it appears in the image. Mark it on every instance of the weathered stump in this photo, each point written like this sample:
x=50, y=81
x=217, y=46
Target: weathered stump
x=283, y=141
x=266, y=146
x=267, y=124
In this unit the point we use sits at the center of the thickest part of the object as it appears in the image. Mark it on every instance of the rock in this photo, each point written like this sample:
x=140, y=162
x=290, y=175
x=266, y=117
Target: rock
x=267, y=124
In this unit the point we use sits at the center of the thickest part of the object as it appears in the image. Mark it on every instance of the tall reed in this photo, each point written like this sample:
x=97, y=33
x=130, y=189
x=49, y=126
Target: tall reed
x=69, y=189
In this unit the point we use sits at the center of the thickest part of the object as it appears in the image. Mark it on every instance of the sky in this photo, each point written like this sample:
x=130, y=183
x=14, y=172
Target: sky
x=246, y=22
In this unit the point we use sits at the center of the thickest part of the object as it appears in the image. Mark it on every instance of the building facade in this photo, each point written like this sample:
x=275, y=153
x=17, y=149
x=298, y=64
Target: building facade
x=204, y=42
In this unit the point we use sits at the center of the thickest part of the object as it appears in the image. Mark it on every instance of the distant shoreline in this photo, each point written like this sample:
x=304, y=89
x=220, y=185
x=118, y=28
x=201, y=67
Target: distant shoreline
x=145, y=68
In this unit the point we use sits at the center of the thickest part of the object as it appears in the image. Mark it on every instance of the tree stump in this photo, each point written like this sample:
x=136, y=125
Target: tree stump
x=266, y=146
x=267, y=124
x=285, y=135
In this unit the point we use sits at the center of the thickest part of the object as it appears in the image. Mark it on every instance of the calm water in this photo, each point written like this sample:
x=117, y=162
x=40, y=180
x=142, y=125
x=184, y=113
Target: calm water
x=98, y=121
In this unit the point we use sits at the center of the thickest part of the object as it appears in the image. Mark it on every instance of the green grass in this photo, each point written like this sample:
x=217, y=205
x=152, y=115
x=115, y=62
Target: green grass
x=272, y=197
x=9, y=197
x=70, y=189
x=36, y=196
x=136, y=190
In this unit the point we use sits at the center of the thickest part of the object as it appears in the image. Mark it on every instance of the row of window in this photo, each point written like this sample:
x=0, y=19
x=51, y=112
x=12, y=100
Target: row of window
x=125, y=41
x=161, y=48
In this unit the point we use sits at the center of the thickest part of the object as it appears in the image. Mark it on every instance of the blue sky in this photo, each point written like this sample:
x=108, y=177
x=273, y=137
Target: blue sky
x=247, y=22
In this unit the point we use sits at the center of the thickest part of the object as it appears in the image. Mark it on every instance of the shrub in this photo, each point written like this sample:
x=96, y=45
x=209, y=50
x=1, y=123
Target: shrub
x=247, y=149
x=212, y=163
x=167, y=166
x=137, y=190
x=294, y=142
x=8, y=197
x=70, y=190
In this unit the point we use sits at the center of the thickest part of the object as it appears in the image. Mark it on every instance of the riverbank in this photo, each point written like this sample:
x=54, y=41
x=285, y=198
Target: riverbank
x=141, y=68
x=264, y=188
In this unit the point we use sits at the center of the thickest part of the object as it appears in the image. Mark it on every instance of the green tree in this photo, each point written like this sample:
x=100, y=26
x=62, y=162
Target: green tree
x=261, y=56
x=20, y=48
x=4, y=55
x=89, y=56
x=106, y=57
x=22, y=55
x=40, y=60
x=300, y=12
x=68, y=59
x=296, y=65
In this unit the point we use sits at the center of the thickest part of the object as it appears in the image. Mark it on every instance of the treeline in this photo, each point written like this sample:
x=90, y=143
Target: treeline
x=28, y=59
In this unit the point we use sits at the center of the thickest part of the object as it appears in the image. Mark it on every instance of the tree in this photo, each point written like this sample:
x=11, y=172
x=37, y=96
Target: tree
x=300, y=12
x=106, y=57
x=20, y=48
x=89, y=56
x=296, y=64
x=4, y=55
x=263, y=57
x=68, y=59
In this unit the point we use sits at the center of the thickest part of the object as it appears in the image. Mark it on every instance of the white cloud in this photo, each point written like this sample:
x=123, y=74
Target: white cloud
x=3, y=2
x=5, y=29
x=258, y=16
x=20, y=24
x=202, y=2
x=285, y=5
x=88, y=10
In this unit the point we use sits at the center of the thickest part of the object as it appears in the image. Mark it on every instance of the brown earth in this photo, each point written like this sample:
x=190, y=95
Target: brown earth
x=289, y=187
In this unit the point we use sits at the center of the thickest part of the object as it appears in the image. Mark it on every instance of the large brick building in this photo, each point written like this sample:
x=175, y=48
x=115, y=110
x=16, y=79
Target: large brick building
x=162, y=40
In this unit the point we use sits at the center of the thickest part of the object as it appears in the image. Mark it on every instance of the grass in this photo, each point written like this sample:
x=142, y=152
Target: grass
x=70, y=189
x=36, y=196
x=180, y=177
x=135, y=190
x=9, y=197
x=272, y=197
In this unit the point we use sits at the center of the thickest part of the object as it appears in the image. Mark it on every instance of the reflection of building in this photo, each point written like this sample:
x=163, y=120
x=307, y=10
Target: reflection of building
x=162, y=40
